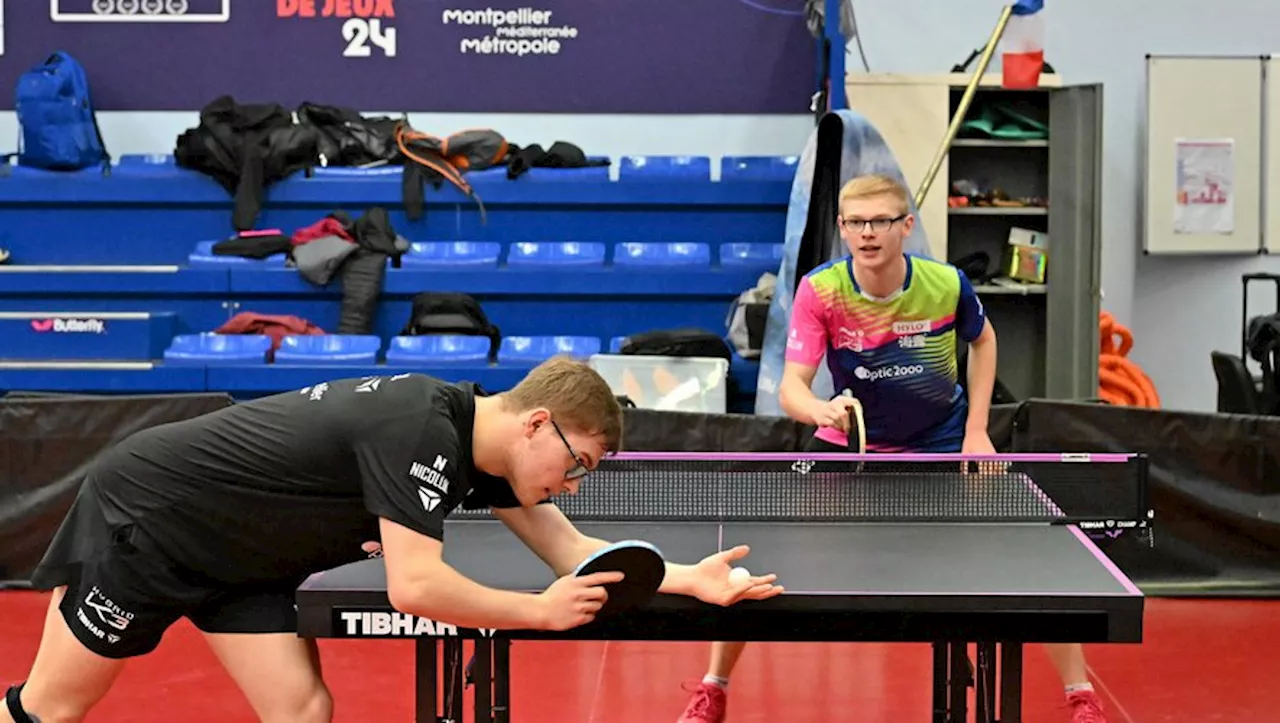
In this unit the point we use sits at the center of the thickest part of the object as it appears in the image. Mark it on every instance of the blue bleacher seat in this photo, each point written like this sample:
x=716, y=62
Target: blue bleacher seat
x=147, y=164
x=220, y=349
x=751, y=254
x=148, y=159
x=665, y=168
x=758, y=168
x=593, y=174
x=536, y=349
x=556, y=253
x=437, y=349
x=615, y=344
x=452, y=253
x=17, y=170
x=204, y=257
x=329, y=349
x=588, y=256
x=662, y=254
x=356, y=171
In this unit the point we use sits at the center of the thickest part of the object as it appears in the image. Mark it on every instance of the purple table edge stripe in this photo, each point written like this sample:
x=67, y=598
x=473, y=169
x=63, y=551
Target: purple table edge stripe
x=930, y=593
x=873, y=457
x=1107, y=562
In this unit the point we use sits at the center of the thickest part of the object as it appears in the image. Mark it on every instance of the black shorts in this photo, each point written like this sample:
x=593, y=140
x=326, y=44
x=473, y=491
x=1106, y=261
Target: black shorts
x=123, y=593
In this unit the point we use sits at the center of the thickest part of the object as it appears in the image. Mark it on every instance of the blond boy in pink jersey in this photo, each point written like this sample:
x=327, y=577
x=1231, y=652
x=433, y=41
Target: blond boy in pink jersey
x=887, y=325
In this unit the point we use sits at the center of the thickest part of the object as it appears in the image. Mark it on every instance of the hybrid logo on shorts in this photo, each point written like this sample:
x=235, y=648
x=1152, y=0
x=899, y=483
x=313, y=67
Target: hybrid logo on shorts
x=106, y=612
x=894, y=372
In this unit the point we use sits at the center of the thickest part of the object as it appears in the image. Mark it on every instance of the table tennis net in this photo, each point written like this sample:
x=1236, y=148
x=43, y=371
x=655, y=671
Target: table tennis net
x=802, y=490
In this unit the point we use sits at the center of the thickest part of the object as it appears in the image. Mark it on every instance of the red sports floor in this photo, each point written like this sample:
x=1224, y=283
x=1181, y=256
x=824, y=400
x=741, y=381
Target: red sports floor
x=1202, y=661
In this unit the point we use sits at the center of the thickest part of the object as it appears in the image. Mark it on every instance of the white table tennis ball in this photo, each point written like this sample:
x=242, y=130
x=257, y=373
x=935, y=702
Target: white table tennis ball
x=739, y=575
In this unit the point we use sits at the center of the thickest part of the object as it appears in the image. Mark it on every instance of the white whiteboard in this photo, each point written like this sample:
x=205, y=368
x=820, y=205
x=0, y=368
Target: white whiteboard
x=1204, y=155
x=1271, y=136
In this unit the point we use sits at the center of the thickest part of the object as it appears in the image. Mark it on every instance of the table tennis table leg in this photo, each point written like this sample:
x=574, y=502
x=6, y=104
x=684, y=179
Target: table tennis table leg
x=952, y=677
x=453, y=679
x=1011, y=682
x=960, y=679
x=480, y=675
x=940, y=655
x=428, y=677
x=985, y=683
x=501, y=680
x=489, y=671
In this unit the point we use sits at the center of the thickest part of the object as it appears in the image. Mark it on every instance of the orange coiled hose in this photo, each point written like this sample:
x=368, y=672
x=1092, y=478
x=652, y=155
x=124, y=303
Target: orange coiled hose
x=1120, y=380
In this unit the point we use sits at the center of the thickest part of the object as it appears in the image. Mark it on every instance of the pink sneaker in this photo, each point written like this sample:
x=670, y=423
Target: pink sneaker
x=1085, y=707
x=706, y=705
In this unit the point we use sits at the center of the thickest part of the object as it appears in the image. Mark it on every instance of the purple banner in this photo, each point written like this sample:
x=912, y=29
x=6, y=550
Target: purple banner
x=504, y=56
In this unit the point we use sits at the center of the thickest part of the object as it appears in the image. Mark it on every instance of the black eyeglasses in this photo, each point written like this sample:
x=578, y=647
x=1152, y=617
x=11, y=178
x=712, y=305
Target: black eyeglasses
x=877, y=224
x=577, y=470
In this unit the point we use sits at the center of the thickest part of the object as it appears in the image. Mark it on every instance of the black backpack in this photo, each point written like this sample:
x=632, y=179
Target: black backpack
x=439, y=312
x=246, y=147
x=678, y=342
x=347, y=139
x=1263, y=341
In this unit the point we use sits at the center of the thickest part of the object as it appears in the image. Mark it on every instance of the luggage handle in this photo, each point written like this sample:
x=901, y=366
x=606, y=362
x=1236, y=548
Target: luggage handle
x=1244, y=308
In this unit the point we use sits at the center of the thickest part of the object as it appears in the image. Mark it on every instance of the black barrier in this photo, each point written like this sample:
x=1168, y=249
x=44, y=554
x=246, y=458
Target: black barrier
x=648, y=430
x=50, y=439
x=1214, y=485
x=46, y=444
x=1214, y=478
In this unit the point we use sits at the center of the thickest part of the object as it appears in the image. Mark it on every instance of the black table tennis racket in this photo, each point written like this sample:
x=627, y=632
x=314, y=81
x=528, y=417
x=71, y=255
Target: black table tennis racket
x=643, y=570
x=642, y=567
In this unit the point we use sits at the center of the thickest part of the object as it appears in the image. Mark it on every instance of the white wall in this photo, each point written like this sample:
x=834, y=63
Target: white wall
x=1178, y=309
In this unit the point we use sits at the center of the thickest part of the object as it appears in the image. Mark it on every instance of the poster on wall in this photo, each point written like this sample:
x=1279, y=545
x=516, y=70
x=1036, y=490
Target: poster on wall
x=500, y=56
x=1205, y=180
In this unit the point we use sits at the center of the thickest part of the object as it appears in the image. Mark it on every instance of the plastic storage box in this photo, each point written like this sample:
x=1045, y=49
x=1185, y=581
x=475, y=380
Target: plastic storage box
x=685, y=384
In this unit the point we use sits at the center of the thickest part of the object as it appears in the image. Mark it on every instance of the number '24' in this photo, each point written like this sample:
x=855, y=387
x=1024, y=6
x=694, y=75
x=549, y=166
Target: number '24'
x=359, y=33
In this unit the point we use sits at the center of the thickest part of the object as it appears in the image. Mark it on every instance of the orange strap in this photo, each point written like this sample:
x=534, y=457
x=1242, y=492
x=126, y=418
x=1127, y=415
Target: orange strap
x=1120, y=380
x=406, y=135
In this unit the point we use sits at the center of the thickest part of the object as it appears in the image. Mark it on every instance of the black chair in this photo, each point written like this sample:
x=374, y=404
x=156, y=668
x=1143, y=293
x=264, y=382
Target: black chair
x=1237, y=393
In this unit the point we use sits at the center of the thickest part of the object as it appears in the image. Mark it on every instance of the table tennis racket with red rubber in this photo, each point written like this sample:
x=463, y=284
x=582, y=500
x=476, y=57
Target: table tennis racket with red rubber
x=643, y=569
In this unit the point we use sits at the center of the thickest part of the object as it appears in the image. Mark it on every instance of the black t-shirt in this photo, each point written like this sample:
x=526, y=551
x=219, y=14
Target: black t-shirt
x=280, y=487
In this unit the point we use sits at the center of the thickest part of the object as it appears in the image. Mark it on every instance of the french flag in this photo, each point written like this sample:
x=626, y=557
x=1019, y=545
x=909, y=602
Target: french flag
x=1023, y=52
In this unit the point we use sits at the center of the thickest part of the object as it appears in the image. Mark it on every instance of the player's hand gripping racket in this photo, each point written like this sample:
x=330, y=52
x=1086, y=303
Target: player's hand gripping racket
x=857, y=435
x=641, y=565
x=643, y=569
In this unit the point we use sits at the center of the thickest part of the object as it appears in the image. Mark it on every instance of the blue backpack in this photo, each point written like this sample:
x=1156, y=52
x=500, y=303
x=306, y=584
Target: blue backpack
x=58, y=130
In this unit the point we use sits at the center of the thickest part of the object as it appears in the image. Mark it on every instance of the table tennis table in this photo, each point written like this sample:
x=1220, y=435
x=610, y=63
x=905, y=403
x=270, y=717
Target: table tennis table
x=870, y=548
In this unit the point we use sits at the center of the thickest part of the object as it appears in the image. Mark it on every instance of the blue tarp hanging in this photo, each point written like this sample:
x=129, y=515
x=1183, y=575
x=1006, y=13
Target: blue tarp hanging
x=843, y=146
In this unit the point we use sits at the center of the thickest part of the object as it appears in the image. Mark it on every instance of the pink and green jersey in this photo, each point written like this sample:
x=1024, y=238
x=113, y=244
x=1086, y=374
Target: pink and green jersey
x=898, y=355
